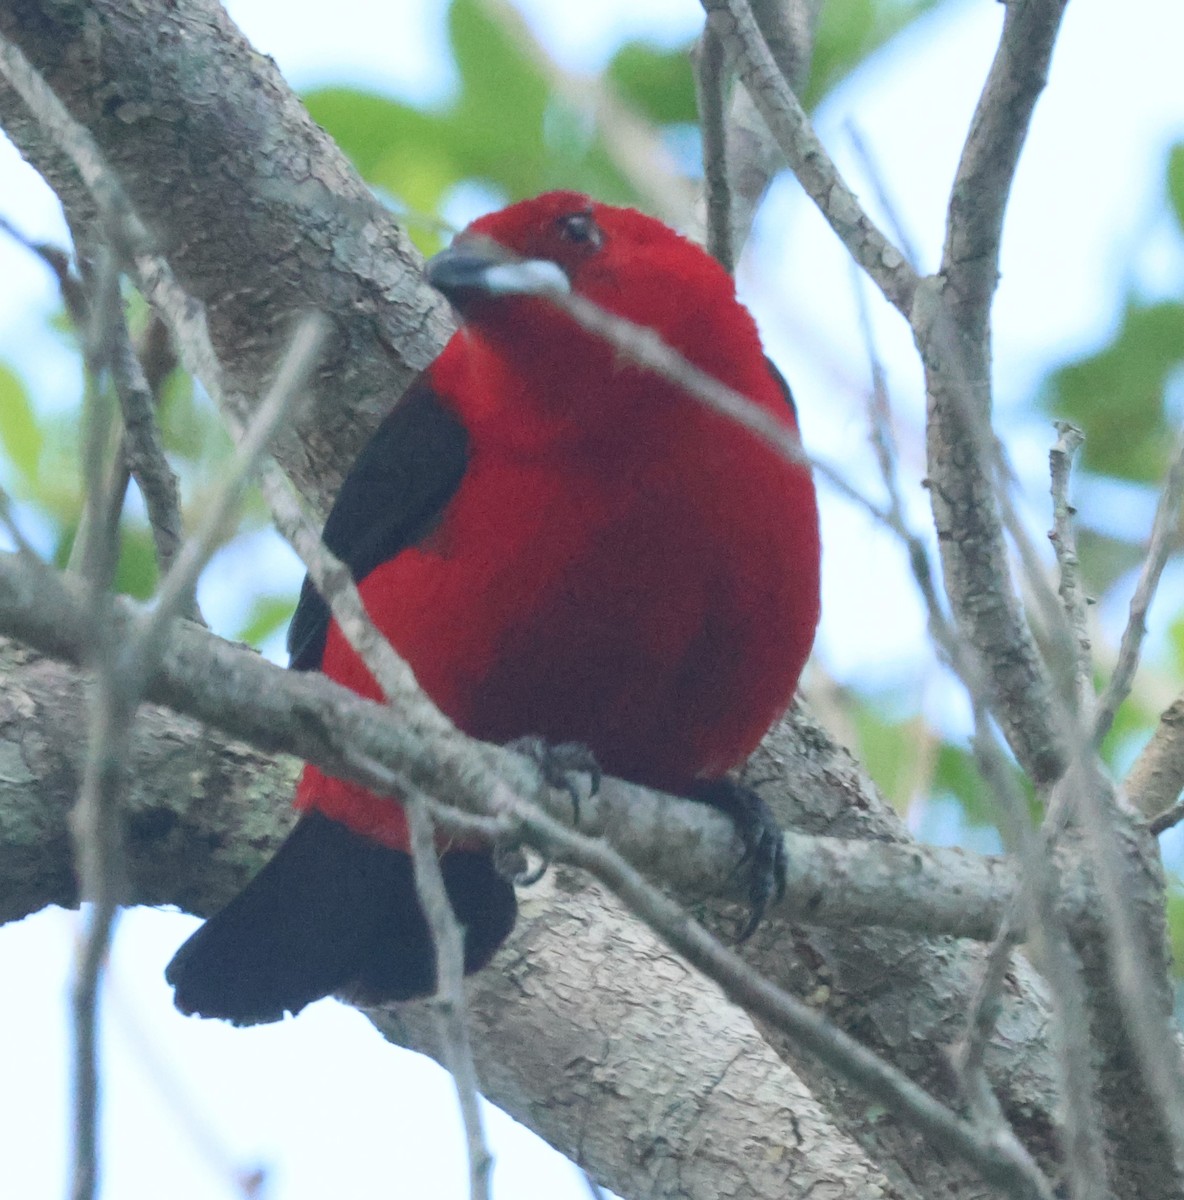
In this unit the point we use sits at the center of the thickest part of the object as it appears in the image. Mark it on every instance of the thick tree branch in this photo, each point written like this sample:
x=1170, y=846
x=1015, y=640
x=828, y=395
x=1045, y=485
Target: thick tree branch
x=160, y=835
x=951, y=325
x=561, y=1043
x=872, y=979
x=831, y=881
x=212, y=130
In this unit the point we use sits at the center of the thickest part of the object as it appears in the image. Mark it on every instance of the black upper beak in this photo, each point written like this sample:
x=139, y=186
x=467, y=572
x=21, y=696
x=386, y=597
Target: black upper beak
x=471, y=269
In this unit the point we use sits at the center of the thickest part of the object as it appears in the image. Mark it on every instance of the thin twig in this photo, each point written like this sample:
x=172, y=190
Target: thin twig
x=1137, y=967
x=594, y=1189
x=981, y=1019
x=875, y=177
x=987, y=166
x=635, y=146
x=1168, y=819
x=295, y=368
x=95, y=819
x=1163, y=531
x=104, y=474
x=123, y=229
x=817, y=173
x=1064, y=540
x=160, y=1068
x=58, y=261
x=23, y=545
x=884, y=444
x=143, y=452
x=644, y=347
x=449, y=1002
x=97, y=858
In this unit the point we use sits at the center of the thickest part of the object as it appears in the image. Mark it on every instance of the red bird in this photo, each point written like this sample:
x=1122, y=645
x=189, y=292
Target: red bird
x=560, y=544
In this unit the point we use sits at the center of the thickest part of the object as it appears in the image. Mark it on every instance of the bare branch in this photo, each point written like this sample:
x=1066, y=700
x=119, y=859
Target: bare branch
x=1064, y=540
x=449, y=1001
x=831, y=881
x=1163, y=527
x=1156, y=780
x=143, y=453
x=738, y=30
x=1040, y=903
x=998, y=130
x=178, y=585
x=1001, y=1161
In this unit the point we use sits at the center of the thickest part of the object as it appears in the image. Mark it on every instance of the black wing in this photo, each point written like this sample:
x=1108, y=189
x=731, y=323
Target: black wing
x=393, y=495
x=779, y=379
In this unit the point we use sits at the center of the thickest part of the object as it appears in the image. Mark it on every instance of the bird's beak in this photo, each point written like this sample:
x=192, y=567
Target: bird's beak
x=478, y=268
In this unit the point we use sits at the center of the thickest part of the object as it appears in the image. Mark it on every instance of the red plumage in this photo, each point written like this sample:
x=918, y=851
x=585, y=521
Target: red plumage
x=615, y=565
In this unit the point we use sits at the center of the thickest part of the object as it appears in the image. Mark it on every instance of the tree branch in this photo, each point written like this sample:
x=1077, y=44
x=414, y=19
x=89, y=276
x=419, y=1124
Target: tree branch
x=787, y=121
x=258, y=213
x=694, y=849
x=873, y=979
x=560, y=1043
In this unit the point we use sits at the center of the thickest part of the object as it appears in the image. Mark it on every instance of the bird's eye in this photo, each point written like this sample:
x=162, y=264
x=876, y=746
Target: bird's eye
x=580, y=228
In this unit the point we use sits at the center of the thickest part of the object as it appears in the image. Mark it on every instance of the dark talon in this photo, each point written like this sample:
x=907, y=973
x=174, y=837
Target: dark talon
x=764, y=847
x=561, y=765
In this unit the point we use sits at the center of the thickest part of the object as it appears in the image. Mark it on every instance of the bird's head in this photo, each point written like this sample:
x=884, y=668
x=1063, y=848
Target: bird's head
x=509, y=273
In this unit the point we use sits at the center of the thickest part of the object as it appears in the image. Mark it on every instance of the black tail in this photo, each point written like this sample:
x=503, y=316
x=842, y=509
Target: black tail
x=333, y=912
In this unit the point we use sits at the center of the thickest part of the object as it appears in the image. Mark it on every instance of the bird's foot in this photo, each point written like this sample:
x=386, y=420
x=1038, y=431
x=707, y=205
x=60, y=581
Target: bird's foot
x=562, y=765
x=764, y=846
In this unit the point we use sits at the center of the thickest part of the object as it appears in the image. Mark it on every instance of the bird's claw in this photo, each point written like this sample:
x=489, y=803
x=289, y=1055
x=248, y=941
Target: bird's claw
x=764, y=845
x=561, y=765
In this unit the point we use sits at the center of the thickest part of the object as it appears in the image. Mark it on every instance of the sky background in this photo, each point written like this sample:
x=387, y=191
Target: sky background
x=322, y=1101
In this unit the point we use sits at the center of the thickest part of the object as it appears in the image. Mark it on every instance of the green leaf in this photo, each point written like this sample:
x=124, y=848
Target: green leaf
x=136, y=574
x=1117, y=394
x=658, y=83
x=849, y=32
x=1104, y=559
x=504, y=127
x=1175, y=915
x=1176, y=181
x=190, y=426
x=267, y=615
x=956, y=774
x=509, y=128
x=408, y=153
x=886, y=751
x=20, y=434
x=1176, y=644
